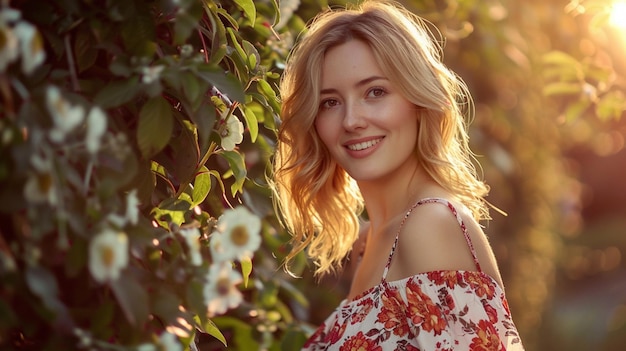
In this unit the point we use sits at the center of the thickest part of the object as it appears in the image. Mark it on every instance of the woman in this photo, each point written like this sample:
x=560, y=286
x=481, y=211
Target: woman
x=372, y=120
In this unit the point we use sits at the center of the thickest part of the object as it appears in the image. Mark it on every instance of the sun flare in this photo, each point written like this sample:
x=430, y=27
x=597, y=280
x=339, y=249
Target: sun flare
x=618, y=14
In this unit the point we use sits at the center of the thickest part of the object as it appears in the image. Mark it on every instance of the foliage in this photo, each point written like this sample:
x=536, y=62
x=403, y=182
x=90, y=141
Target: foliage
x=586, y=77
x=123, y=142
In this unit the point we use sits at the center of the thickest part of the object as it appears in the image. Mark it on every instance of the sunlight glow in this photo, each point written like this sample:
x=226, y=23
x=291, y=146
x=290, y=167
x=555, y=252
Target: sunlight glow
x=618, y=14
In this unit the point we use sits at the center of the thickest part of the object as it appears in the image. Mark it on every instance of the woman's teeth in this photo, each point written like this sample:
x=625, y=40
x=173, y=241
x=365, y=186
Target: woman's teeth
x=364, y=145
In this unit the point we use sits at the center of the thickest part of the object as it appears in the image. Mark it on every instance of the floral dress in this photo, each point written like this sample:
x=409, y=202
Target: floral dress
x=438, y=310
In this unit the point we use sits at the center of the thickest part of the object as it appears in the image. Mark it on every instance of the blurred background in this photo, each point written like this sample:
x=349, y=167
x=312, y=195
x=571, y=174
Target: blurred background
x=548, y=80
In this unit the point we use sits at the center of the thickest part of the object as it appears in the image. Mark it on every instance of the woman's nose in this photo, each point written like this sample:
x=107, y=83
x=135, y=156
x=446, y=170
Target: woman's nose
x=354, y=117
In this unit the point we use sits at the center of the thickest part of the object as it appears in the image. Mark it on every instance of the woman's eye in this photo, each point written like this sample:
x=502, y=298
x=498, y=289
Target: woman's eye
x=376, y=92
x=329, y=103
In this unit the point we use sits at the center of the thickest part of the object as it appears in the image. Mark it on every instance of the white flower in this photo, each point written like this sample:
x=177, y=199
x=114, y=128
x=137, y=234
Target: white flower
x=132, y=207
x=96, y=126
x=65, y=116
x=192, y=238
x=8, y=47
x=221, y=292
x=186, y=50
x=169, y=342
x=31, y=46
x=40, y=187
x=232, y=133
x=132, y=212
x=117, y=220
x=108, y=255
x=150, y=74
x=237, y=236
x=8, y=15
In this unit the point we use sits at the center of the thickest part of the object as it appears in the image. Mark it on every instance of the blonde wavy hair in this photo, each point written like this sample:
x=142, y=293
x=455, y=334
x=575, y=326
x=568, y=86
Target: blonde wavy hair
x=318, y=202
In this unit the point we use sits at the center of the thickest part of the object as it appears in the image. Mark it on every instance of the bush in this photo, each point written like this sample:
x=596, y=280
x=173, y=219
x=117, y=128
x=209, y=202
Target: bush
x=135, y=136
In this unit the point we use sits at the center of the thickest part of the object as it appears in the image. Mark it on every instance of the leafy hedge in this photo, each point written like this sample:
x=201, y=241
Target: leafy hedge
x=135, y=136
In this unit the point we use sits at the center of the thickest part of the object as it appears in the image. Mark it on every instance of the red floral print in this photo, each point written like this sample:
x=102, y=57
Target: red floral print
x=421, y=309
x=491, y=313
x=482, y=286
x=486, y=339
x=359, y=342
x=363, y=309
x=439, y=310
x=391, y=314
x=336, y=332
x=449, y=278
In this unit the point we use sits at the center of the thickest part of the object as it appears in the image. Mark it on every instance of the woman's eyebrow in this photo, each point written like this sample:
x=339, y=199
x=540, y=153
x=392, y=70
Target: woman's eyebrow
x=358, y=84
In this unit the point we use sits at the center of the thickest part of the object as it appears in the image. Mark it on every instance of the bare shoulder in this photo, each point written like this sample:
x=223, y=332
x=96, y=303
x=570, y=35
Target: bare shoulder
x=432, y=239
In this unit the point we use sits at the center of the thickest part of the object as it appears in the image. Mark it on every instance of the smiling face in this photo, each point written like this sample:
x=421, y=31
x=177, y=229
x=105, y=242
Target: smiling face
x=368, y=126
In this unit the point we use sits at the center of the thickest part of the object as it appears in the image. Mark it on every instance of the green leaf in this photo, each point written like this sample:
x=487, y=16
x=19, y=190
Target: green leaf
x=204, y=119
x=201, y=186
x=226, y=82
x=219, y=42
x=139, y=34
x=157, y=168
x=251, y=122
x=242, y=333
x=252, y=55
x=172, y=210
x=252, y=62
x=293, y=340
x=611, y=105
x=76, y=257
x=133, y=299
x=560, y=58
x=102, y=316
x=248, y=9
x=195, y=297
x=186, y=21
x=561, y=88
x=294, y=293
x=238, y=167
x=229, y=19
x=120, y=66
x=117, y=93
x=268, y=295
x=264, y=111
x=217, y=176
x=181, y=157
x=276, y=8
x=266, y=89
x=246, y=270
x=576, y=109
x=84, y=51
x=212, y=329
x=239, y=56
x=42, y=283
x=166, y=306
x=155, y=126
x=191, y=86
x=565, y=65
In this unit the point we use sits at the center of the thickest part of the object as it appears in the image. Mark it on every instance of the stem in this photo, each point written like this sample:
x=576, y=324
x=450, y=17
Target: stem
x=204, y=159
x=206, y=51
x=5, y=89
x=70, y=63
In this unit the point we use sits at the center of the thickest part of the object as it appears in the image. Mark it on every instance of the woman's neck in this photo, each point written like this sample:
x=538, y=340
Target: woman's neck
x=386, y=199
